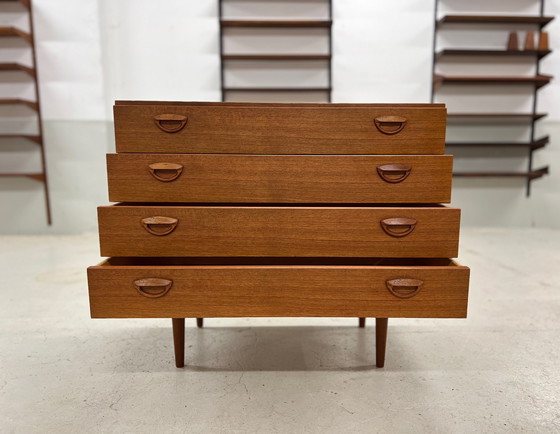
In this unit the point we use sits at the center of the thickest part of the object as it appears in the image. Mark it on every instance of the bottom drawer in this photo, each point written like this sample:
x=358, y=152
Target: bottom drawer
x=182, y=288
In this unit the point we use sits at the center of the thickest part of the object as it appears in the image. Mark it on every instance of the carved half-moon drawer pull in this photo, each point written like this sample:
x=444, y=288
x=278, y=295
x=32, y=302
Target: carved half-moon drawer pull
x=404, y=288
x=394, y=173
x=159, y=225
x=398, y=226
x=390, y=124
x=166, y=172
x=170, y=123
x=153, y=287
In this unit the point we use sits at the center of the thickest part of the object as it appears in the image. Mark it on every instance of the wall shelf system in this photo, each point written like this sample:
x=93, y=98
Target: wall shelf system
x=12, y=103
x=291, y=89
x=493, y=84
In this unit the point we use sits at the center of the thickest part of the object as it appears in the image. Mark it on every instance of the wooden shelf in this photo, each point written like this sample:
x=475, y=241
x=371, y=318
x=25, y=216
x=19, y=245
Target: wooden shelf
x=496, y=116
x=11, y=31
x=276, y=23
x=529, y=175
x=276, y=57
x=17, y=67
x=23, y=2
x=496, y=53
x=33, y=138
x=36, y=176
x=538, y=80
x=541, y=21
x=276, y=89
x=31, y=104
x=537, y=144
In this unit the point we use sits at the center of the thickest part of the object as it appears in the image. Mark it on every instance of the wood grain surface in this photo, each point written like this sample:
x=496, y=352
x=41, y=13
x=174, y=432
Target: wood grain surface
x=275, y=129
x=278, y=231
x=278, y=179
x=276, y=104
x=287, y=291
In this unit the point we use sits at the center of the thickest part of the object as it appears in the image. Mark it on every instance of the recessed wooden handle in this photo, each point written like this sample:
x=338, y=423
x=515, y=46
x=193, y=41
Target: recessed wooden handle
x=394, y=173
x=153, y=287
x=390, y=124
x=404, y=288
x=159, y=225
x=398, y=226
x=170, y=123
x=165, y=172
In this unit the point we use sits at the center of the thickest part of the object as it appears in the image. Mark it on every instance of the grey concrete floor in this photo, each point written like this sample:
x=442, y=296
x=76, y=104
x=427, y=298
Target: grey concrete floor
x=497, y=371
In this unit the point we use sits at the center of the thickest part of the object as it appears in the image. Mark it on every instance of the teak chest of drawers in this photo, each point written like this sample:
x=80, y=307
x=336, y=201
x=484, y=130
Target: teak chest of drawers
x=278, y=210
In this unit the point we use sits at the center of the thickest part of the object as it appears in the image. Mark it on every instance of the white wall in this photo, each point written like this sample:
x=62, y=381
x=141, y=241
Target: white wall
x=93, y=52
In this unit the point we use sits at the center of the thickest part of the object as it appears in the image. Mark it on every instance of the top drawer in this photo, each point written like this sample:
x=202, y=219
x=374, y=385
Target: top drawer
x=222, y=128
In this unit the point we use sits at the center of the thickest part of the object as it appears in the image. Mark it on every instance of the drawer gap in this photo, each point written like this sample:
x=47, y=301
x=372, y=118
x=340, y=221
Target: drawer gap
x=280, y=205
x=279, y=261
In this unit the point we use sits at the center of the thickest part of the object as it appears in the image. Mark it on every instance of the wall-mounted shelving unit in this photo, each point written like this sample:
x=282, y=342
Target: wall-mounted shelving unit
x=484, y=117
x=34, y=105
x=290, y=88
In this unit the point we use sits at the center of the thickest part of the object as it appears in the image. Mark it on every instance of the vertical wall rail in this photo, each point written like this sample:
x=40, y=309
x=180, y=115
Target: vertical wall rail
x=434, y=47
x=534, y=112
x=221, y=42
x=39, y=116
x=330, y=53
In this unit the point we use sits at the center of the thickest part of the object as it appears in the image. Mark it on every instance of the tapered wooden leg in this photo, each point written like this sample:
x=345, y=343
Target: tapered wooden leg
x=380, y=340
x=362, y=322
x=179, y=341
x=199, y=322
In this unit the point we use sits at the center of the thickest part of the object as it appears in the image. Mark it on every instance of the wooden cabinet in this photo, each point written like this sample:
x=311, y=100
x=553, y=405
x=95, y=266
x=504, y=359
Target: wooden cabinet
x=232, y=210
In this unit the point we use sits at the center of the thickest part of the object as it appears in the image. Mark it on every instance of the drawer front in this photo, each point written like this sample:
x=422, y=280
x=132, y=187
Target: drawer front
x=279, y=178
x=252, y=291
x=231, y=129
x=279, y=231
